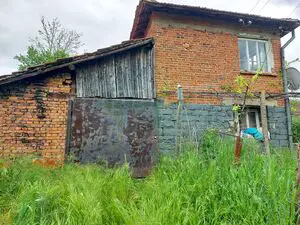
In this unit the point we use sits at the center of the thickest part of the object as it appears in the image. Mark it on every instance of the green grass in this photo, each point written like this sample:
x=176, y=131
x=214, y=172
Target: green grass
x=296, y=128
x=200, y=188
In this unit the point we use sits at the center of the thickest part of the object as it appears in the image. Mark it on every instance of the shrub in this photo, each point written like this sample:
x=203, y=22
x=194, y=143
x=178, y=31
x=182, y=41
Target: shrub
x=296, y=129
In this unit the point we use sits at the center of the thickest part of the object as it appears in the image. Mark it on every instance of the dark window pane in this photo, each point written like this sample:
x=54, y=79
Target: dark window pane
x=243, y=124
x=252, y=119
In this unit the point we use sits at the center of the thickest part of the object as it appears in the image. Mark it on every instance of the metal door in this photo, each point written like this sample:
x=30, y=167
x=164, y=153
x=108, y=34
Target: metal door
x=114, y=131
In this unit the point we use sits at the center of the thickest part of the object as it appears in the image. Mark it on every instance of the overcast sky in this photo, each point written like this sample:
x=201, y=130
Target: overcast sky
x=107, y=22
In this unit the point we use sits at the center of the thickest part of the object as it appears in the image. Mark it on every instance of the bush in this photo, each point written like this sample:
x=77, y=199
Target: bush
x=296, y=129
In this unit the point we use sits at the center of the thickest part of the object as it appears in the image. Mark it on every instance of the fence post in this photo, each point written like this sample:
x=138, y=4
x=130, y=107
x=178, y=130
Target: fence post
x=238, y=141
x=264, y=121
x=178, y=118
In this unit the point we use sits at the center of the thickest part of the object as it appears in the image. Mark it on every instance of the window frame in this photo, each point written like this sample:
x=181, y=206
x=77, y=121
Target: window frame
x=244, y=119
x=257, y=120
x=267, y=53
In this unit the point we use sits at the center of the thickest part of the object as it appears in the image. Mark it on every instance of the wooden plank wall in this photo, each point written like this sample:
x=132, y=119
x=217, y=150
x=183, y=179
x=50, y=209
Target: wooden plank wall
x=123, y=75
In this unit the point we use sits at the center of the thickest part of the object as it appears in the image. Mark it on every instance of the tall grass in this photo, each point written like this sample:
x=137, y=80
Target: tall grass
x=296, y=129
x=202, y=188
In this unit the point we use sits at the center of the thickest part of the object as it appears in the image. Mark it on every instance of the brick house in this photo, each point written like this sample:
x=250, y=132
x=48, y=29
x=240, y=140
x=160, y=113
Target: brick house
x=204, y=50
x=122, y=100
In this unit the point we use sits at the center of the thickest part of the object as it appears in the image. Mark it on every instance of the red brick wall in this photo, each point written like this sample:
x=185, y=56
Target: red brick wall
x=33, y=116
x=202, y=57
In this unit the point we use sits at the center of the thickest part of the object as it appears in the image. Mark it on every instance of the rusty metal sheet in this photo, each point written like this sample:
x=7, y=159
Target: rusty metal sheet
x=112, y=131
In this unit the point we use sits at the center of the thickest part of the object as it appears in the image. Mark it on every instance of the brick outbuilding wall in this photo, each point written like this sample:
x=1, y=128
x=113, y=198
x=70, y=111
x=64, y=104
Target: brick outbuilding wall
x=33, y=116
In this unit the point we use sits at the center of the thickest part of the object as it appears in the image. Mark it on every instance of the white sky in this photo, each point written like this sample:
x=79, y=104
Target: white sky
x=107, y=22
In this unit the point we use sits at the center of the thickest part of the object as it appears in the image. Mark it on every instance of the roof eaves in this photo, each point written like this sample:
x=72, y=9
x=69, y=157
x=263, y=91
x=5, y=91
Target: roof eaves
x=145, y=8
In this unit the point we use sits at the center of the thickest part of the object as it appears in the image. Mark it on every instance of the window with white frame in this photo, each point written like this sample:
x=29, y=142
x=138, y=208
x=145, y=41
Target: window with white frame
x=251, y=118
x=253, y=55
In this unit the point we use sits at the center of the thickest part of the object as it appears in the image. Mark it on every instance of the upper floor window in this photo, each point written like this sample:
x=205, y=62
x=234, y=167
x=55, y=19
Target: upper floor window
x=253, y=55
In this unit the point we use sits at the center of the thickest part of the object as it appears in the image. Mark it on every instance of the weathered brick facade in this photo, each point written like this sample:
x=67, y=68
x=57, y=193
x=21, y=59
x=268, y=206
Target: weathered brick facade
x=203, y=56
x=33, y=115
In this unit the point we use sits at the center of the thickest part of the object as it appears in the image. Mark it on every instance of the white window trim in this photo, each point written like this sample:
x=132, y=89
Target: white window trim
x=256, y=117
x=269, y=53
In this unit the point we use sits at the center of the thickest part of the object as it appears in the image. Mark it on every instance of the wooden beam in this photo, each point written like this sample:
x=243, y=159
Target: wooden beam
x=71, y=67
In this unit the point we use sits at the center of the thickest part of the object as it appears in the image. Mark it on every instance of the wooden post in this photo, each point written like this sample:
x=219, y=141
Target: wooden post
x=237, y=150
x=178, y=118
x=264, y=121
x=238, y=141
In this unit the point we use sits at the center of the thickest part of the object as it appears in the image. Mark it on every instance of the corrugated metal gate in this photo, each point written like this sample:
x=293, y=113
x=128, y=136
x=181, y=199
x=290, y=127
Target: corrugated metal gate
x=111, y=131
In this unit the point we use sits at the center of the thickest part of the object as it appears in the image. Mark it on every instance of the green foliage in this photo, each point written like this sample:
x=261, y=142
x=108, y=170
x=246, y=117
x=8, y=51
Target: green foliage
x=244, y=86
x=52, y=42
x=236, y=108
x=208, y=147
x=241, y=83
x=295, y=104
x=191, y=189
x=36, y=57
x=296, y=129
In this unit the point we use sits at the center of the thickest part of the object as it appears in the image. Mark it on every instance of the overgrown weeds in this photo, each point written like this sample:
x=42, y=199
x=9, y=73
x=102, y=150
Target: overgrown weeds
x=296, y=129
x=200, y=188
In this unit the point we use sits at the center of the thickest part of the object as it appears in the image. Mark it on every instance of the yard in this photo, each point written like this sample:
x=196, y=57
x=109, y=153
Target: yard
x=203, y=187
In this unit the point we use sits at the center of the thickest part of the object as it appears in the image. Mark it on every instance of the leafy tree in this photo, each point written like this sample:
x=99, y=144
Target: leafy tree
x=35, y=57
x=52, y=42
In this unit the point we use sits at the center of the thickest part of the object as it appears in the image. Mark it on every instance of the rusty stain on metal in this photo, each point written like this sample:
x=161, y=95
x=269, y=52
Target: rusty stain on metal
x=112, y=131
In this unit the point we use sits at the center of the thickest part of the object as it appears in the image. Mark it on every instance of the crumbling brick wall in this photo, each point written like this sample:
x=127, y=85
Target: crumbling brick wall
x=33, y=116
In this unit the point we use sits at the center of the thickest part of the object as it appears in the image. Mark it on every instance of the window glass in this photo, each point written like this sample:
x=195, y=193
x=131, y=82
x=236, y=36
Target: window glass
x=243, y=122
x=253, y=55
x=243, y=55
x=252, y=119
x=262, y=55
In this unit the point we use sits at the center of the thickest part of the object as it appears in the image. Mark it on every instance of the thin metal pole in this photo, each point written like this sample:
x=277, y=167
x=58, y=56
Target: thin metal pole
x=286, y=99
x=264, y=121
x=178, y=119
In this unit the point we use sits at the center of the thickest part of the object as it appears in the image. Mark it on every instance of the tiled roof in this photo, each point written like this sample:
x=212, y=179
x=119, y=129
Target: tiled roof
x=65, y=62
